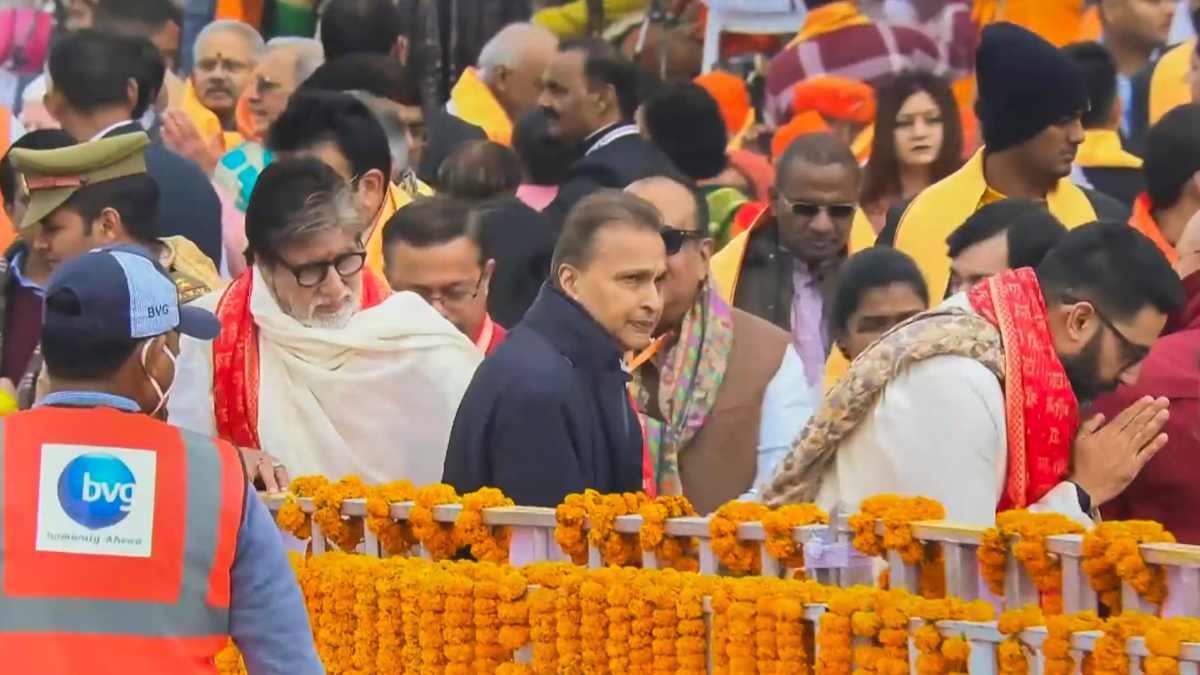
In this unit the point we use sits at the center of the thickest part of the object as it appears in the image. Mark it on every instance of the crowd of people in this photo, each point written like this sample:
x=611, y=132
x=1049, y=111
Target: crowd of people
x=930, y=247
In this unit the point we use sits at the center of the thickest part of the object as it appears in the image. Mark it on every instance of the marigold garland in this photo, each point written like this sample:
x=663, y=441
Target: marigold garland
x=1057, y=645
x=567, y=622
x=641, y=639
x=690, y=648
x=570, y=517
x=345, y=532
x=490, y=652
x=229, y=661
x=1111, y=555
x=737, y=556
x=593, y=622
x=897, y=514
x=1011, y=652
x=1109, y=655
x=1043, y=568
x=395, y=537
x=615, y=548
x=437, y=538
x=290, y=517
x=666, y=622
x=513, y=609
x=486, y=543
x=1164, y=641
x=619, y=598
x=459, y=640
x=673, y=552
x=779, y=523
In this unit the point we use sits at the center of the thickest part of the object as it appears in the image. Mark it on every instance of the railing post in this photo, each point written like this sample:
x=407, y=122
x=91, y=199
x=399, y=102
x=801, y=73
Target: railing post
x=1019, y=590
x=962, y=570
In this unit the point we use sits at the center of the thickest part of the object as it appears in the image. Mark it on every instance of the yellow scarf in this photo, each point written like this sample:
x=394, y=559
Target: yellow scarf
x=1169, y=85
x=1101, y=149
x=827, y=19
x=942, y=207
x=472, y=101
x=206, y=121
x=395, y=199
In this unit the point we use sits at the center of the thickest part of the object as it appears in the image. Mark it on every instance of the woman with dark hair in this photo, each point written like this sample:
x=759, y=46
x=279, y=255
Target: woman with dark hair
x=918, y=141
x=480, y=170
x=877, y=288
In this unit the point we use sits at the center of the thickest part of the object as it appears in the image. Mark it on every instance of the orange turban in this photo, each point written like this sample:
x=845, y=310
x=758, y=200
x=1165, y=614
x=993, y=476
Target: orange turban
x=836, y=98
x=731, y=96
x=807, y=122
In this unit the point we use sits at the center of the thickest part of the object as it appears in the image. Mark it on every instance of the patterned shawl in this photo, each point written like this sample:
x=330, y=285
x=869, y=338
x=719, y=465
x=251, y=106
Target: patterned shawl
x=689, y=375
x=1009, y=336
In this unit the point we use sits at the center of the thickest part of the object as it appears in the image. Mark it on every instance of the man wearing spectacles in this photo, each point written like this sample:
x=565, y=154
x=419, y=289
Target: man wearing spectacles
x=1165, y=490
x=721, y=392
x=435, y=248
x=317, y=364
x=992, y=391
x=784, y=267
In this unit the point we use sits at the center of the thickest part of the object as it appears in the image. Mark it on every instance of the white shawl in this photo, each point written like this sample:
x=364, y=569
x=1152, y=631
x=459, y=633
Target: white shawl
x=376, y=398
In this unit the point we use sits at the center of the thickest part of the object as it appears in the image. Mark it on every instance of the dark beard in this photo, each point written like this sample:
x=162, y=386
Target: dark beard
x=1083, y=372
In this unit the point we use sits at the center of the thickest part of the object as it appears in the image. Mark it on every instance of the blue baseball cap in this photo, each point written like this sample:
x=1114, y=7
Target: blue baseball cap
x=122, y=293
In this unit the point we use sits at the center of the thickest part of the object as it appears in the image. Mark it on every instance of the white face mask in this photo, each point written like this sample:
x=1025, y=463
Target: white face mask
x=162, y=395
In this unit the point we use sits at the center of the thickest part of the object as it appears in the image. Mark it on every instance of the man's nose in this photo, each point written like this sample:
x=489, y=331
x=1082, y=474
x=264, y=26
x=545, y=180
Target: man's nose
x=821, y=222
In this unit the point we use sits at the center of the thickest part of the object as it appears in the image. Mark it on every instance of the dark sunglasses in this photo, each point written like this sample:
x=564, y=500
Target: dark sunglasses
x=809, y=210
x=675, y=239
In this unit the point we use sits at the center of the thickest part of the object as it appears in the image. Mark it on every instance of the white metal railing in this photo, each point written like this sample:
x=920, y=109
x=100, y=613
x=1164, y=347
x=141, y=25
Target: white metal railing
x=831, y=560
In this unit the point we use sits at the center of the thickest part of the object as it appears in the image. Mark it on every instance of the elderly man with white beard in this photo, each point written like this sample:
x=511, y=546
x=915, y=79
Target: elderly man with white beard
x=317, y=364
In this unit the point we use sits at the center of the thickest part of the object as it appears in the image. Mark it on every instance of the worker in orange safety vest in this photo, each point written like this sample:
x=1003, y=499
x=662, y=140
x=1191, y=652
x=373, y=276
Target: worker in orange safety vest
x=128, y=545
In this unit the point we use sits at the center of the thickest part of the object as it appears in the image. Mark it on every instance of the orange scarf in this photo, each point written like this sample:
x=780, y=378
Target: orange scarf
x=235, y=358
x=1041, y=412
x=1143, y=221
x=827, y=19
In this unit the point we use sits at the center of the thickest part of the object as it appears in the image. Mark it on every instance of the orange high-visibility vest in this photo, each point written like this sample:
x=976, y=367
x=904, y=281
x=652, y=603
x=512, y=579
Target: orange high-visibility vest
x=117, y=539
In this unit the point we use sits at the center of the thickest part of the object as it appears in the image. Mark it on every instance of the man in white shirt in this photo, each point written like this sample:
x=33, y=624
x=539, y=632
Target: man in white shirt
x=317, y=365
x=977, y=403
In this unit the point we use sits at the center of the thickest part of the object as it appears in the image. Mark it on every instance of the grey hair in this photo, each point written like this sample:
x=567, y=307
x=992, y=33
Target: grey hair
x=309, y=54
x=245, y=30
x=505, y=46
x=393, y=127
x=322, y=211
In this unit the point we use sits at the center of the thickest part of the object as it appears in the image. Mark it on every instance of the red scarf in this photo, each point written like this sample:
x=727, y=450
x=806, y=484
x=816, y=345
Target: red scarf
x=1041, y=411
x=235, y=358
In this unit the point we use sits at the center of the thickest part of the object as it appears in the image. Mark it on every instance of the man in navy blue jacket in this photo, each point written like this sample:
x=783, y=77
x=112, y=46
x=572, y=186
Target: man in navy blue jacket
x=548, y=413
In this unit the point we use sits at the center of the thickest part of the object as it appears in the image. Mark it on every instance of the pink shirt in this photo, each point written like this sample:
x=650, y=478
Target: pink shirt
x=537, y=197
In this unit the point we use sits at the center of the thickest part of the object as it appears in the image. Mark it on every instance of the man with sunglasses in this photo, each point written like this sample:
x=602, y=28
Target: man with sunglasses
x=784, y=267
x=435, y=248
x=721, y=392
x=992, y=390
x=317, y=365
x=1166, y=490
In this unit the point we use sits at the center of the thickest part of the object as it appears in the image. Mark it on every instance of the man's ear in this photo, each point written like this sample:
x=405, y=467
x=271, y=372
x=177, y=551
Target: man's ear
x=706, y=250
x=108, y=226
x=568, y=280
x=485, y=281
x=131, y=92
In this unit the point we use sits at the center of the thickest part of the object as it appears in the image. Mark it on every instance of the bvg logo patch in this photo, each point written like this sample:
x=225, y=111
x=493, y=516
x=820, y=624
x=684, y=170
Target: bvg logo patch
x=96, y=500
x=96, y=490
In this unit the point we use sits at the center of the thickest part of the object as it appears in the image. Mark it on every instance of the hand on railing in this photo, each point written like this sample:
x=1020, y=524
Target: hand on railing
x=1107, y=457
x=259, y=464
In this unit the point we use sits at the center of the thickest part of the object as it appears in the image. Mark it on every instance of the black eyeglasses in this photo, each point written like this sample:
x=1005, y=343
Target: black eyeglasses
x=453, y=296
x=1131, y=352
x=674, y=239
x=810, y=210
x=313, y=274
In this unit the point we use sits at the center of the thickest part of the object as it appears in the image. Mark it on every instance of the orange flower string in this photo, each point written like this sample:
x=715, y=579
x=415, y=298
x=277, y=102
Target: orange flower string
x=290, y=517
x=346, y=533
x=437, y=538
x=780, y=523
x=489, y=650
x=1111, y=555
x=570, y=517
x=1032, y=530
x=1164, y=641
x=1011, y=652
x=486, y=543
x=513, y=609
x=675, y=552
x=395, y=537
x=1057, y=645
x=737, y=556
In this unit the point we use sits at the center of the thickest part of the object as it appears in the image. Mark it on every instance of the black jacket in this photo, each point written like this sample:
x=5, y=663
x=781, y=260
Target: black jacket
x=444, y=133
x=522, y=241
x=187, y=203
x=613, y=164
x=1121, y=183
x=547, y=414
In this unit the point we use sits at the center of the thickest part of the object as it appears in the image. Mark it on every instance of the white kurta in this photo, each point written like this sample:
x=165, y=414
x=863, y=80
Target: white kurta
x=376, y=398
x=938, y=430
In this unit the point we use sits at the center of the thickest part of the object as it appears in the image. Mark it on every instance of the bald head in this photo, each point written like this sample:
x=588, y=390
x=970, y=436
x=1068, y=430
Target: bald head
x=682, y=207
x=512, y=63
x=815, y=150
